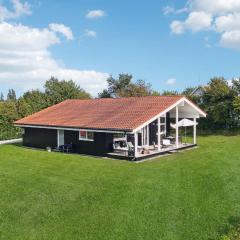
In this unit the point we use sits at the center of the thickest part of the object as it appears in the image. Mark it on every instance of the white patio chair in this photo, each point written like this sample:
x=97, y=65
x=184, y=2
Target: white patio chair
x=166, y=143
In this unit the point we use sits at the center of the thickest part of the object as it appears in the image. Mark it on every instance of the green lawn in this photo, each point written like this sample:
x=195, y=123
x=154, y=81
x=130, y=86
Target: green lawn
x=186, y=196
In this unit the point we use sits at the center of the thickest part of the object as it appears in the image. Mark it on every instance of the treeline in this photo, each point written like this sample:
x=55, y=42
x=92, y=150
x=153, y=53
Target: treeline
x=219, y=98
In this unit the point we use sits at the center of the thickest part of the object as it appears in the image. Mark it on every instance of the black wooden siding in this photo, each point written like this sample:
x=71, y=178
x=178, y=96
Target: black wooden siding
x=40, y=138
x=101, y=145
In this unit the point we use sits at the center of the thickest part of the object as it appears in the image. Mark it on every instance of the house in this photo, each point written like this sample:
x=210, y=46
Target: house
x=129, y=128
x=199, y=91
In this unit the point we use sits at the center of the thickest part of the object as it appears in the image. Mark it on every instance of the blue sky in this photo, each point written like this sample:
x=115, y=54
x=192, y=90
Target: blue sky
x=171, y=44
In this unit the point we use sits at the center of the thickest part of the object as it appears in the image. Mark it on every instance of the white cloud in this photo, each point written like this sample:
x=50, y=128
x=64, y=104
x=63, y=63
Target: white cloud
x=171, y=10
x=167, y=10
x=228, y=22
x=220, y=16
x=95, y=14
x=19, y=10
x=90, y=33
x=177, y=27
x=171, y=81
x=195, y=22
x=198, y=21
x=26, y=63
x=231, y=39
x=64, y=30
x=215, y=6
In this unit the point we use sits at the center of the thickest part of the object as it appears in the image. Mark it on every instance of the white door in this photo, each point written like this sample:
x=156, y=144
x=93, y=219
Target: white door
x=60, y=137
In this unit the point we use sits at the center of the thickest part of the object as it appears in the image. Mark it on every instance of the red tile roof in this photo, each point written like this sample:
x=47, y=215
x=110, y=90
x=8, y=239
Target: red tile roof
x=106, y=113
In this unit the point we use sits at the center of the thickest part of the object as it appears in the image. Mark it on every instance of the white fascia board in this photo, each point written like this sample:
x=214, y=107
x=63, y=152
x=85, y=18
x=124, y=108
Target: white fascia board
x=186, y=115
x=70, y=129
x=159, y=115
x=201, y=113
x=179, y=102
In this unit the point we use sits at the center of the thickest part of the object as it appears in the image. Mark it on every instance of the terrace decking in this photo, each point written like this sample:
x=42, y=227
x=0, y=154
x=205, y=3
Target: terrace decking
x=152, y=152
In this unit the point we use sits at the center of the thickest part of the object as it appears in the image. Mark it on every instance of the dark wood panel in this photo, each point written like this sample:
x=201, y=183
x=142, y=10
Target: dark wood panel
x=40, y=137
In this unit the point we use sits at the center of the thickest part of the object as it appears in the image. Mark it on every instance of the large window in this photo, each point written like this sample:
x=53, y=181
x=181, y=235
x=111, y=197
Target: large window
x=86, y=136
x=145, y=136
x=163, y=125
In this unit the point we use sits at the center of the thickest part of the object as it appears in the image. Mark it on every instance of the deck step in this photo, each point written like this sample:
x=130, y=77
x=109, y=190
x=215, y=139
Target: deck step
x=173, y=151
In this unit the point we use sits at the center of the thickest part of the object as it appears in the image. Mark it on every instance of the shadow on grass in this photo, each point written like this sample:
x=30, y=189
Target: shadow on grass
x=231, y=230
x=89, y=156
x=17, y=144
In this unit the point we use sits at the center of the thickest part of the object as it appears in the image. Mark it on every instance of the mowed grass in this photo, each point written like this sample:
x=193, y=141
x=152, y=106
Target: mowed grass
x=186, y=196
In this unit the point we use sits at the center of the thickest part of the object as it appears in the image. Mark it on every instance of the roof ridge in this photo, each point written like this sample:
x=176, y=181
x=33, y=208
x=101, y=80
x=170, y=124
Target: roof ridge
x=131, y=97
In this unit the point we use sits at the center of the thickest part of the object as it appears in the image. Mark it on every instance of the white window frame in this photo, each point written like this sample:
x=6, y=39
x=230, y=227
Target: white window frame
x=163, y=124
x=86, y=139
x=145, y=136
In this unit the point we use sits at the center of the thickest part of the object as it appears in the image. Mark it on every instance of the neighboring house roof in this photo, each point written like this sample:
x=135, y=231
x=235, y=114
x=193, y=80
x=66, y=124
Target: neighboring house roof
x=123, y=114
x=198, y=91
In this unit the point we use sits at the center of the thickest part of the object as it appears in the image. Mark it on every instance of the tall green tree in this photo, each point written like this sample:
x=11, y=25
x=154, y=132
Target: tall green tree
x=169, y=93
x=34, y=100
x=188, y=91
x=218, y=103
x=57, y=91
x=123, y=86
x=236, y=86
x=8, y=114
x=1, y=97
x=236, y=105
x=11, y=96
x=24, y=109
x=104, y=94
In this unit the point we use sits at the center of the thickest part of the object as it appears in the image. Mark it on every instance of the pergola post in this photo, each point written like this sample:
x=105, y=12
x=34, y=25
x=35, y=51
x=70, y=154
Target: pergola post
x=159, y=146
x=148, y=142
x=195, y=131
x=135, y=144
x=177, y=127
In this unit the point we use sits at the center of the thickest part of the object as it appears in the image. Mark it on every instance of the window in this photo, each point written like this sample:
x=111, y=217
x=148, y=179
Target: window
x=162, y=128
x=145, y=136
x=162, y=120
x=118, y=135
x=163, y=125
x=86, y=136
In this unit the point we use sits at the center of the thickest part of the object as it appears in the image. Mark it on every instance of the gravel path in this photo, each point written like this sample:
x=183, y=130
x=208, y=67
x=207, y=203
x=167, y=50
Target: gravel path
x=11, y=141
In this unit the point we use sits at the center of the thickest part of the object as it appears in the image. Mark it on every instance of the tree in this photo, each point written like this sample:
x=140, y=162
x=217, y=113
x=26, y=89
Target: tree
x=24, y=109
x=188, y=91
x=57, y=91
x=8, y=114
x=141, y=89
x=236, y=109
x=155, y=93
x=236, y=85
x=218, y=103
x=36, y=100
x=124, y=86
x=11, y=96
x=169, y=93
x=104, y=94
x=1, y=97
